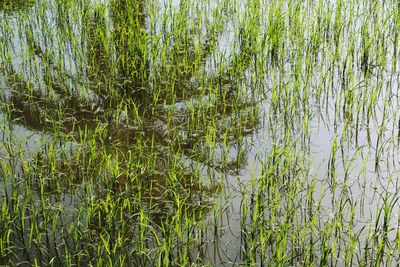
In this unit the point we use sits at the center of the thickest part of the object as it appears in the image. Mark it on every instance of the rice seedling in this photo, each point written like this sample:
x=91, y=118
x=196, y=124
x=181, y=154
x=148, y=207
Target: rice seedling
x=199, y=132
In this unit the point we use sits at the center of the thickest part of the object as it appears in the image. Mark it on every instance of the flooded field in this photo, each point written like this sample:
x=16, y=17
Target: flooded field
x=199, y=133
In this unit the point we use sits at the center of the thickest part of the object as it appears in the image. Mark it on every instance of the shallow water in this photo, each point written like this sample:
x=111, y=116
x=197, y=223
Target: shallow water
x=317, y=93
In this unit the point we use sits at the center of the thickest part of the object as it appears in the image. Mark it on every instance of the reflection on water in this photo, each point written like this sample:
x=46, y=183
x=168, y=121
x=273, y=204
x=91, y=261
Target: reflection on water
x=123, y=125
x=141, y=104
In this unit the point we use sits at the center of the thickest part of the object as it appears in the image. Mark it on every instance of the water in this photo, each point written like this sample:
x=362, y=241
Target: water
x=307, y=100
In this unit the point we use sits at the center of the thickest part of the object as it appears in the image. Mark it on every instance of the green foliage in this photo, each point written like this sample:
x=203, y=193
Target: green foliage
x=198, y=132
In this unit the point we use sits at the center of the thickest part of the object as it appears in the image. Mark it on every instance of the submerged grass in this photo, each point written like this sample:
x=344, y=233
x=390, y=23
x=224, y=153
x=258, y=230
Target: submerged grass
x=197, y=132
